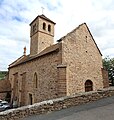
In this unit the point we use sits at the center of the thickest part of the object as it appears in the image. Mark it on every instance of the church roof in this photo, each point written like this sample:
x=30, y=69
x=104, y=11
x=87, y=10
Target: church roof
x=43, y=17
x=23, y=59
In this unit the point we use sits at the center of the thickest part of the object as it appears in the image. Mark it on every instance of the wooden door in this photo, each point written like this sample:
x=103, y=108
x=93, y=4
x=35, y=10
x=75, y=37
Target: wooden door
x=88, y=86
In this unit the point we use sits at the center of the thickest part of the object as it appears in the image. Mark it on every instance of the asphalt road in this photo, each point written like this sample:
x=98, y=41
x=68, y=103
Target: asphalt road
x=99, y=110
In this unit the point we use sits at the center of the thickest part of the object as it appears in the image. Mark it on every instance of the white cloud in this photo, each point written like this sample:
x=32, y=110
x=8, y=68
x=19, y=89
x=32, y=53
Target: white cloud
x=109, y=52
x=16, y=15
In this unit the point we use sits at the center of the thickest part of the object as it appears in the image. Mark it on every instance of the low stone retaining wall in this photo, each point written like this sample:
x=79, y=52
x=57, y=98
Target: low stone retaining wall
x=55, y=104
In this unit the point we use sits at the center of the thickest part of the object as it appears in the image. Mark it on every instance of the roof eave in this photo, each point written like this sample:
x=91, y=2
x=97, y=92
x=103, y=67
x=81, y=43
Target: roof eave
x=40, y=16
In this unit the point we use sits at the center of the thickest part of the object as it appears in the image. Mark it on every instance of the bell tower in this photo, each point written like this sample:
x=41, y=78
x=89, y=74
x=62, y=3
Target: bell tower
x=41, y=34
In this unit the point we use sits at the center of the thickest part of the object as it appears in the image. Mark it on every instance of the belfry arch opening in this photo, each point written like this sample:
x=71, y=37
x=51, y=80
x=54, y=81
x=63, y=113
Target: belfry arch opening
x=49, y=28
x=44, y=26
x=88, y=86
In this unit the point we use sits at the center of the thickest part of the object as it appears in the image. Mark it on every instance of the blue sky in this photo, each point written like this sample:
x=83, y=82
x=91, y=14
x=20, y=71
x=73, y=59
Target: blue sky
x=15, y=16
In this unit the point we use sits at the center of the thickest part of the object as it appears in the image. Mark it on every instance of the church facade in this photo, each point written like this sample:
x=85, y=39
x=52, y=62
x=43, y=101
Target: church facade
x=72, y=65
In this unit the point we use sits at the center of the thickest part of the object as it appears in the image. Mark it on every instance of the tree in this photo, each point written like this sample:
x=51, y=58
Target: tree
x=108, y=64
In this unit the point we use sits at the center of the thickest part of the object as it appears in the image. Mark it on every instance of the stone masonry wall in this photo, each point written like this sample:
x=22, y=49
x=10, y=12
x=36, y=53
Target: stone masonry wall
x=4, y=88
x=45, y=38
x=83, y=60
x=40, y=39
x=46, y=69
x=105, y=78
x=55, y=104
x=62, y=90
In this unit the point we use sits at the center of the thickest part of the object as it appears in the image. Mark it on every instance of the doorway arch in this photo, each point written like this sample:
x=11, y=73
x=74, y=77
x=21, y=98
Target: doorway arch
x=88, y=86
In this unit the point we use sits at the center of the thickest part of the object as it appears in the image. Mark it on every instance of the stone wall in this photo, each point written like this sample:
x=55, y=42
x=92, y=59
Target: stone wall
x=40, y=38
x=62, y=90
x=4, y=88
x=56, y=104
x=46, y=69
x=105, y=78
x=83, y=60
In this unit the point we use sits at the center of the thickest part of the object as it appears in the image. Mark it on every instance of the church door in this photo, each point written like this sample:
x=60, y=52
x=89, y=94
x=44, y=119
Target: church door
x=30, y=99
x=88, y=86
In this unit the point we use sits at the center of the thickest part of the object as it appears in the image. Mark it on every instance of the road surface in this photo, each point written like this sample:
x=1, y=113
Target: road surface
x=99, y=110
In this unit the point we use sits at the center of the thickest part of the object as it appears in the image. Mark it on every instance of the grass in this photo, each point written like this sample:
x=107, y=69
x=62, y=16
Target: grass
x=2, y=74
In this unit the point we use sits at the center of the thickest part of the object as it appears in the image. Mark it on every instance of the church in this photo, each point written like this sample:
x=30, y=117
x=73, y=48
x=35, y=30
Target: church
x=72, y=65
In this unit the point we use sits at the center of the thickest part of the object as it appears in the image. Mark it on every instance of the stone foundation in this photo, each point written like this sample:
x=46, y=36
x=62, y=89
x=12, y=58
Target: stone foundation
x=56, y=104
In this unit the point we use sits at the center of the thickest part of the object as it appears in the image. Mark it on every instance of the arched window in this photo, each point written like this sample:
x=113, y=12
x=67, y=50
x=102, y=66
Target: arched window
x=35, y=80
x=49, y=28
x=88, y=86
x=44, y=26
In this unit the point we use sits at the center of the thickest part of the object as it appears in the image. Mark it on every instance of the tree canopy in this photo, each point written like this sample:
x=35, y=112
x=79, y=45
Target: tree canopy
x=108, y=64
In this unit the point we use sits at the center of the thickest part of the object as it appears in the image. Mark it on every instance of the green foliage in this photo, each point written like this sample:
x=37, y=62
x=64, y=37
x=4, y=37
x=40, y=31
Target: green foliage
x=108, y=64
x=2, y=74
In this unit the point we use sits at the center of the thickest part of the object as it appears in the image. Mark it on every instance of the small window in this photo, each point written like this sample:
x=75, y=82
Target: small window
x=44, y=26
x=35, y=80
x=49, y=28
x=86, y=38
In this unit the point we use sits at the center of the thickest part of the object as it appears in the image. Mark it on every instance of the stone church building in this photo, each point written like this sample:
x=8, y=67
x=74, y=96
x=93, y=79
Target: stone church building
x=72, y=65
